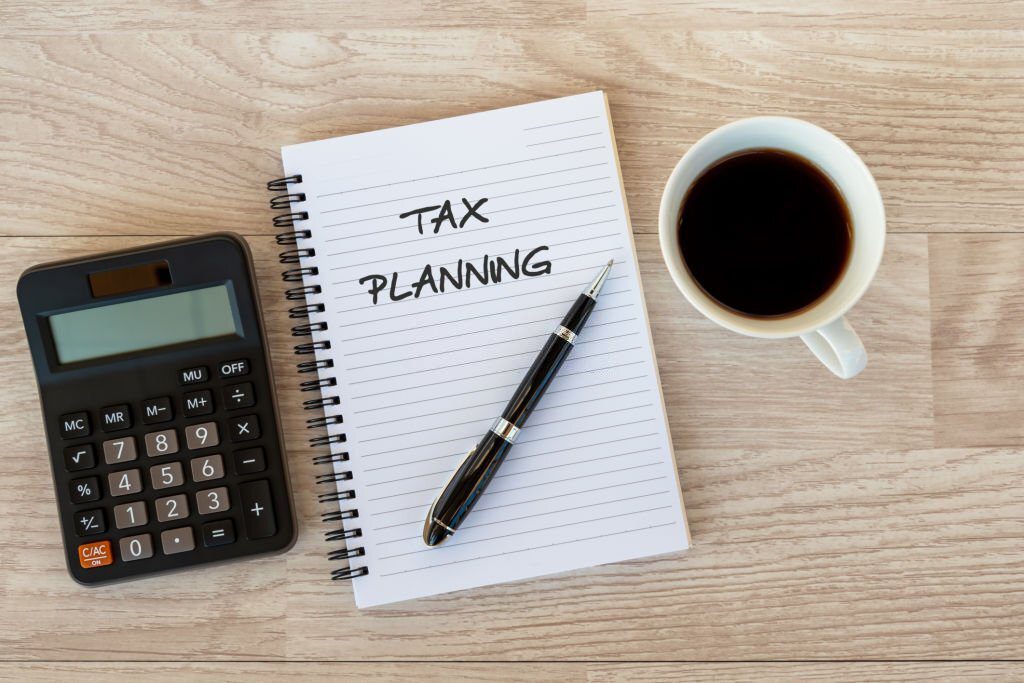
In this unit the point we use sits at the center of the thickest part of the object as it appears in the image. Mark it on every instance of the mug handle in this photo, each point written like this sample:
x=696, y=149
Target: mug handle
x=838, y=347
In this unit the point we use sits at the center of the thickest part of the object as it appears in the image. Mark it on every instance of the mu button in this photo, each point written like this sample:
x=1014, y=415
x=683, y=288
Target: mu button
x=96, y=554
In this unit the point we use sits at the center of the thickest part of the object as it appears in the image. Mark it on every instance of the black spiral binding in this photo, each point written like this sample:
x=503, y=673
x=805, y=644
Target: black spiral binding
x=290, y=200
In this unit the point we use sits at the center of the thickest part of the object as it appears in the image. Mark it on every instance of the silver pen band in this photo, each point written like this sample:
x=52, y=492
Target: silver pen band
x=505, y=429
x=566, y=334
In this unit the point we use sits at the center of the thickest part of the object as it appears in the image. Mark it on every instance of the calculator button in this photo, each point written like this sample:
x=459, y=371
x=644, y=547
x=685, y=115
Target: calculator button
x=119, y=450
x=85, y=490
x=74, y=425
x=213, y=500
x=90, y=522
x=167, y=476
x=177, y=540
x=79, y=457
x=171, y=508
x=161, y=443
x=198, y=403
x=250, y=461
x=113, y=418
x=156, y=410
x=234, y=368
x=136, y=547
x=125, y=482
x=207, y=468
x=130, y=514
x=258, y=509
x=193, y=375
x=239, y=396
x=244, y=428
x=218, y=533
x=96, y=554
x=201, y=436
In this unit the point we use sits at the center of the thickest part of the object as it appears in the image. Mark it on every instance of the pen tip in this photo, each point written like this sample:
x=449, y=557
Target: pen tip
x=610, y=262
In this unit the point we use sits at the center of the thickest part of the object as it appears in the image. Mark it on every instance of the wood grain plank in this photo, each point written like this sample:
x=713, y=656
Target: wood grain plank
x=823, y=539
x=978, y=285
x=990, y=672
x=175, y=132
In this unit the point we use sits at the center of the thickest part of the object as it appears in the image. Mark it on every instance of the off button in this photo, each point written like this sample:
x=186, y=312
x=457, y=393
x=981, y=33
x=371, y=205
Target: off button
x=234, y=368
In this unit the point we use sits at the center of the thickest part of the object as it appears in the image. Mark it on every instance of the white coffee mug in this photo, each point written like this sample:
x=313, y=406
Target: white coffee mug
x=821, y=325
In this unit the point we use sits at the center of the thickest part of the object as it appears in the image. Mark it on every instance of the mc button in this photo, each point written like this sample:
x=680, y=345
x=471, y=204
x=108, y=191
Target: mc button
x=74, y=425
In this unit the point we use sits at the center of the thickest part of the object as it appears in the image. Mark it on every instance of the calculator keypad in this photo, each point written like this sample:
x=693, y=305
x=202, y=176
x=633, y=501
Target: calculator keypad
x=171, y=475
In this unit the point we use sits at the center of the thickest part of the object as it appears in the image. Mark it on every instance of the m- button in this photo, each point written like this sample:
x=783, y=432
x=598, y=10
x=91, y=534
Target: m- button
x=234, y=368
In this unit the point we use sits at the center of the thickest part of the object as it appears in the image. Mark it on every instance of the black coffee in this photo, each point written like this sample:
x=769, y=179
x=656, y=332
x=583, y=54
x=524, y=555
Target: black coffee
x=765, y=232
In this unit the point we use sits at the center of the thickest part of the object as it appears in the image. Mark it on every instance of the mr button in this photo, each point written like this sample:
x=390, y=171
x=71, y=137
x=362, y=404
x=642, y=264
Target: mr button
x=96, y=554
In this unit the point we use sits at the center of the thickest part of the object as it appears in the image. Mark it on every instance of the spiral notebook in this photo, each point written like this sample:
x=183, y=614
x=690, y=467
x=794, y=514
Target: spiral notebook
x=429, y=264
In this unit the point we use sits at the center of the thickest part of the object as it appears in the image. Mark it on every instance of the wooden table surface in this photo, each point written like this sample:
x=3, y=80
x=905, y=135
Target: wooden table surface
x=870, y=529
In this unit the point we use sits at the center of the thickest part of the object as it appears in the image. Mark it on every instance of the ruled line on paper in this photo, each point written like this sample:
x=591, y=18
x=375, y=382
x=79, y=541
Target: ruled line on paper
x=637, y=437
x=525, y=441
x=527, y=531
x=473, y=362
x=433, y=489
x=447, y=471
x=546, y=513
x=472, y=187
x=562, y=123
x=470, y=393
x=503, y=342
x=488, y=330
x=477, y=421
x=574, y=137
x=468, y=170
x=516, y=503
x=492, y=374
x=434, y=194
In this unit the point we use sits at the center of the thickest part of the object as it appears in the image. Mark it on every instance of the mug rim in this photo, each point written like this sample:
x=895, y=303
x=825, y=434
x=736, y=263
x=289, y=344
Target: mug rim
x=769, y=328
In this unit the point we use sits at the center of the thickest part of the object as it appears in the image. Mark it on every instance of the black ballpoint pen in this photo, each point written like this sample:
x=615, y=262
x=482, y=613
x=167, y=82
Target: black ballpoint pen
x=465, y=486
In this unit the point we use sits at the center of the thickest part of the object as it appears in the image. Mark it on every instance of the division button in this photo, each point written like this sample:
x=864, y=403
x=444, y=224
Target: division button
x=239, y=395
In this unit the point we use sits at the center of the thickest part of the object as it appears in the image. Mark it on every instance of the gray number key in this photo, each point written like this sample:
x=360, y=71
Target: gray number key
x=130, y=514
x=207, y=467
x=201, y=436
x=171, y=508
x=167, y=476
x=213, y=500
x=161, y=443
x=125, y=482
x=136, y=547
x=119, y=450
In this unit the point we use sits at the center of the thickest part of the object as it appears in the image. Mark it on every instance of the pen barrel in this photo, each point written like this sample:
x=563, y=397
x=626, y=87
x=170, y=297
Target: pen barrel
x=577, y=316
x=469, y=481
x=536, y=380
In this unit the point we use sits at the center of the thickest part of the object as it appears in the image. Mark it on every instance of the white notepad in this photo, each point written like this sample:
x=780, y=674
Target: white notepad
x=425, y=353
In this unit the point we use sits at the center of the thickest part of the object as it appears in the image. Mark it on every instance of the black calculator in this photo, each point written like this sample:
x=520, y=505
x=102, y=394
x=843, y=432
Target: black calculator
x=158, y=405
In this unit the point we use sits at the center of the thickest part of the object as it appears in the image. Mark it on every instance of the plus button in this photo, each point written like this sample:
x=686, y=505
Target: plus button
x=256, y=509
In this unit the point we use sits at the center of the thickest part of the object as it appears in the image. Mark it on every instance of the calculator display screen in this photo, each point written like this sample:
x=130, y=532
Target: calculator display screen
x=145, y=324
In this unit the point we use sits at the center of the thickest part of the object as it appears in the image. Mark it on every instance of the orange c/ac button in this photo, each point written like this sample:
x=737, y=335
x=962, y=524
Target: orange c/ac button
x=95, y=554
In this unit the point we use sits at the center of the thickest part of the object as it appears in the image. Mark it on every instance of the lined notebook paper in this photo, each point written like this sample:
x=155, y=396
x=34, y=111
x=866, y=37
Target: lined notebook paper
x=446, y=252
